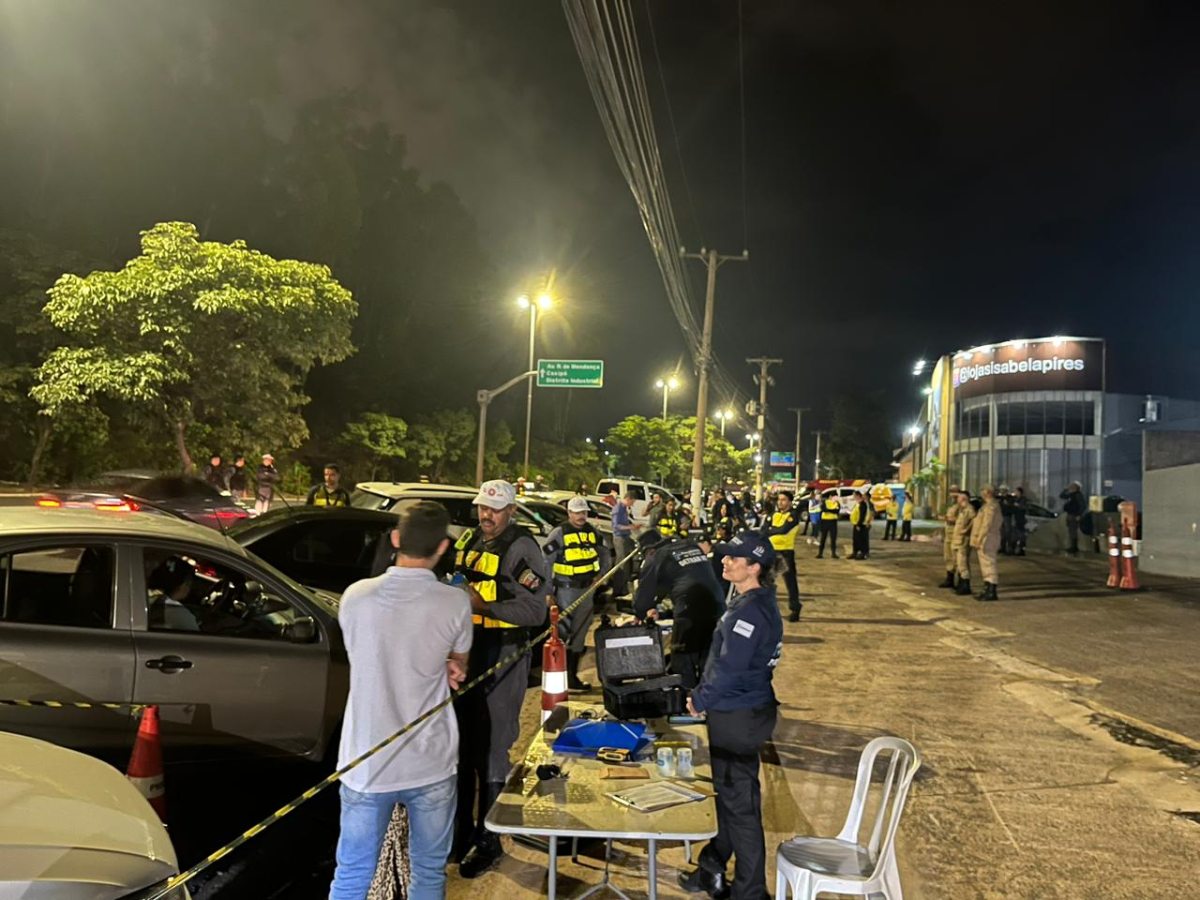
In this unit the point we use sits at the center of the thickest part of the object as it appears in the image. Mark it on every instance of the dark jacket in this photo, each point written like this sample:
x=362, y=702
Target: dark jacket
x=1074, y=504
x=682, y=571
x=265, y=477
x=236, y=478
x=745, y=651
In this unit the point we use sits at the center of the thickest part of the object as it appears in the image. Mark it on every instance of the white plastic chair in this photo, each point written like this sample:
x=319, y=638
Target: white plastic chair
x=843, y=865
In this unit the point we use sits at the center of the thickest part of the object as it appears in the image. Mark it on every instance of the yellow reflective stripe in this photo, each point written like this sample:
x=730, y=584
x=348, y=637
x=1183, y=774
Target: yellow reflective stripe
x=579, y=537
x=573, y=553
x=568, y=569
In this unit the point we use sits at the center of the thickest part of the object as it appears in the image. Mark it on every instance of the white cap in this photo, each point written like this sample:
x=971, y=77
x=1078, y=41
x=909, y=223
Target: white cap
x=577, y=504
x=268, y=456
x=496, y=495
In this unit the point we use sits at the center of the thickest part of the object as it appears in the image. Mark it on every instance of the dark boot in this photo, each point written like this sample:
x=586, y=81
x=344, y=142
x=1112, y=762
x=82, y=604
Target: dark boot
x=949, y=582
x=573, y=682
x=991, y=593
x=964, y=587
x=702, y=881
x=983, y=595
x=486, y=851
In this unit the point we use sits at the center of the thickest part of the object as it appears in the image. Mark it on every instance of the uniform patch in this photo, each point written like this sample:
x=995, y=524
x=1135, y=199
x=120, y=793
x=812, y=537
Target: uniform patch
x=742, y=627
x=530, y=579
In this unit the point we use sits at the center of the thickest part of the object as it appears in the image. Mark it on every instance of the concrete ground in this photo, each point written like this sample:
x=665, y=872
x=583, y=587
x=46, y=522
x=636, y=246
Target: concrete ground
x=1060, y=730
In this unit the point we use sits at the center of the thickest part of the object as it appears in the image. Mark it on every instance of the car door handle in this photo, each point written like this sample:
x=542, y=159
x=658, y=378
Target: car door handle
x=169, y=664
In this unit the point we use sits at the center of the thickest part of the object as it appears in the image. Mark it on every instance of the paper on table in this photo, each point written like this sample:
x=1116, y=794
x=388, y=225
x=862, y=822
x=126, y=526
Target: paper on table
x=656, y=796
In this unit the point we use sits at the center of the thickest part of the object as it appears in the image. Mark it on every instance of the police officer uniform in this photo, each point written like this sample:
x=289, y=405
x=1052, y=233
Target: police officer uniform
x=681, y=570
x=782, y=533
x=948, y=558
x=509, y=573
x=738, y=699
x=860, y=520
x=893, y=516
x=577, y=557
x=321, y=495
x=831, y=508
x=962, y=546
x=985, y=538
x=907, y=514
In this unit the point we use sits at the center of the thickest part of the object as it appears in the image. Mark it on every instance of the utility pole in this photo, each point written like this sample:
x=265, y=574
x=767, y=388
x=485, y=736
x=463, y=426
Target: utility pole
x=713, y=260
x=763, y=380
x=817, y=460
x=799, y=411
x=484, y=398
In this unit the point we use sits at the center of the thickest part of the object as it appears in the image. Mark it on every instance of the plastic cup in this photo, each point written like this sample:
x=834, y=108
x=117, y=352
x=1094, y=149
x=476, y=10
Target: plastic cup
x=683, y=762
x=665, y=760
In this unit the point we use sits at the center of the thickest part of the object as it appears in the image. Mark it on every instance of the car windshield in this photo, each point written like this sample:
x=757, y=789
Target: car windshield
x=116, y=482
x=555, y=515
x=176, y=487
x=370, y=500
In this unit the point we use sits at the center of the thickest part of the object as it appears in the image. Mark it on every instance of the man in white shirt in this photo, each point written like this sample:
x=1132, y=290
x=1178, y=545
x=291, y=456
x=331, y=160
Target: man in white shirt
x=407, y=636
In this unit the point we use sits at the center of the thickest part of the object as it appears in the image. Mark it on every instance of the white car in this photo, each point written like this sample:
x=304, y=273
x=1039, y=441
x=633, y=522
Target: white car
x=459, y=500
x=644, y=492
x=845, y=497
x=74, y=828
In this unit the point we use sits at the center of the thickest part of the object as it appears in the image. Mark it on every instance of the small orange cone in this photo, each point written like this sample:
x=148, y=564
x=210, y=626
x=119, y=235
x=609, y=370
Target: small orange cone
x=146, y=764
x=554, y=669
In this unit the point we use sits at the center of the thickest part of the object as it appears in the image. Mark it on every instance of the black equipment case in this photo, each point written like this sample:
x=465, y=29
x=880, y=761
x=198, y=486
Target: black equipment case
x=633, y=673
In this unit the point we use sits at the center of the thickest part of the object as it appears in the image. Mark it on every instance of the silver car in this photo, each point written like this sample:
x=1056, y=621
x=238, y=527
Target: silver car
x=128, y=608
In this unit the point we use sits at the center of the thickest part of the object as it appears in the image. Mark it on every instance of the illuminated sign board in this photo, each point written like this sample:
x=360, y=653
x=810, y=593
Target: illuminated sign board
x=783, y=459
x=1050, y=364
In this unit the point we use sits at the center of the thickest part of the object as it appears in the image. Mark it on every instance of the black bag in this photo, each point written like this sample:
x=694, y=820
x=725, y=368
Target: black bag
x=633, y=673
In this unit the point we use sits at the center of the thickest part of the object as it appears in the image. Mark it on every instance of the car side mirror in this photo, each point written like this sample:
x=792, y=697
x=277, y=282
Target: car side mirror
x=302, y=631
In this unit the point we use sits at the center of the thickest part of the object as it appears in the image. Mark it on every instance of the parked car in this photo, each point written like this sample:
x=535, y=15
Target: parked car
x=139, y=490
x=556, y=514
x=394, y=496
x=643, y=491
x=845, y=497
x=125, y=607
x=598, y=506
x=74, y=828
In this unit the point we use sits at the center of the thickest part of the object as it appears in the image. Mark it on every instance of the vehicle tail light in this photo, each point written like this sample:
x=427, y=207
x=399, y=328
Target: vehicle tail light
x=49, y=503
x=231, y=514
x=118, y=506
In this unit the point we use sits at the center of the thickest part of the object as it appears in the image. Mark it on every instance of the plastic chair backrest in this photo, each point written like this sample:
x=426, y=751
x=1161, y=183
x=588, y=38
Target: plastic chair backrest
x=903, y=761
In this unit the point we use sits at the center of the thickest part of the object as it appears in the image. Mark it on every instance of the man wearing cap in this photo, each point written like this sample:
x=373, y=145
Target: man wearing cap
x=781, y=530
x=948, y=555
x=507, y=583
x=737, y=698
x=577, y=557
x=264, y=484
x=680, y=569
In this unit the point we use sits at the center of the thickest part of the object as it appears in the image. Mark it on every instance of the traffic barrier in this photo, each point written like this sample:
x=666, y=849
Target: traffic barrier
x=1114, y=560
x=554, y=668
x=1129, y=579
x=146, y=763
x=134, y=708
x=166, y=887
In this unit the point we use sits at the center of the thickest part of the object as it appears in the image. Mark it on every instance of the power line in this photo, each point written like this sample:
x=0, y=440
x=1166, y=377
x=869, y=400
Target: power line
x=742, y=107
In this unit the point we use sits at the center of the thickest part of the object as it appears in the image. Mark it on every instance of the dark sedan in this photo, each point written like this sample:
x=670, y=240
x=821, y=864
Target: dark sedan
x=183, y=496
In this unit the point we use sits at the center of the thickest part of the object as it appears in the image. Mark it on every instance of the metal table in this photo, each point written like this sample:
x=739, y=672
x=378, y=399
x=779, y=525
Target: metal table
x=576, y=807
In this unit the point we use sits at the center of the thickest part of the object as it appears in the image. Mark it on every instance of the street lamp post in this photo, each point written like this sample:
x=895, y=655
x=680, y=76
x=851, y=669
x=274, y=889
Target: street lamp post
x=667, y=385
x=543, y=302
x=723, y=416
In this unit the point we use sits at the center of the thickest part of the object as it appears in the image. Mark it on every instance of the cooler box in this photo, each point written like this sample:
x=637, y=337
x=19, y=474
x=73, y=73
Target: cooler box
x=633, y=673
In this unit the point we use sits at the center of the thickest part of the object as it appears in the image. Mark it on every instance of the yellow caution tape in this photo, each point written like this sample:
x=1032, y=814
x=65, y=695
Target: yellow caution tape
x=184, y=877
x=77, y=704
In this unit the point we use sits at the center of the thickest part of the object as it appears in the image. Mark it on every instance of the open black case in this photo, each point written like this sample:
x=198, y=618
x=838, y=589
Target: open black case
x=633, y=673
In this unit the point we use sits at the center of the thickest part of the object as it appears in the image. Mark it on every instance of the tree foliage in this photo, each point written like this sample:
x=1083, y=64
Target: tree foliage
x=860, y=441
x=211, y=341
x=380, y=438
x=663, y=449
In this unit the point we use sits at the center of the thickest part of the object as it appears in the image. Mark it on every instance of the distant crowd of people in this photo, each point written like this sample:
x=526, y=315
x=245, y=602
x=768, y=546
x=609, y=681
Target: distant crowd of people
x=235, y=480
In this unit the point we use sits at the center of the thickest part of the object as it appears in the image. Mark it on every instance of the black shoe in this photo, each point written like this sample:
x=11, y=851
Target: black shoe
x=964, y=587
x=991, y=592
x=820, y=556
x=482, y=856
x=949, y=582
x=794, y=617
x=701, y=881
x=835, y=556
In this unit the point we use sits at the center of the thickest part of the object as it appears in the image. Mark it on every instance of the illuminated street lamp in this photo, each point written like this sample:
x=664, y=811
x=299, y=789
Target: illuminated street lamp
x=723, y=416
x=667, y=385
x=543, y=303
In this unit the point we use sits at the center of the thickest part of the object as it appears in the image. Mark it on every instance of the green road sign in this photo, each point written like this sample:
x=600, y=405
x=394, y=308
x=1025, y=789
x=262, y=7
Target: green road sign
x=570, y=373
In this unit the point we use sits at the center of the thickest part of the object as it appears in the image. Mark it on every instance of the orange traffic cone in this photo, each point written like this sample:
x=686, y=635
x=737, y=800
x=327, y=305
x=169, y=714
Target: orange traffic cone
x=1114, y=560
x=146, y=764
x=554, y=668
x=1129, y=579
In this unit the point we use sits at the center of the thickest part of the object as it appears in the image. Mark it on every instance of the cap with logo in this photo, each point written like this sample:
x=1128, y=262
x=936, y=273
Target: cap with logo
x=577, y=504
x=748, y=545
x=496, y=495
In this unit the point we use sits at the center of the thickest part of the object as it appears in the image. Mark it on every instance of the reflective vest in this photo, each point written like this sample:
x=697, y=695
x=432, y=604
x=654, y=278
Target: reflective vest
x=668, y=526
x=893, y=509
x=471, y=556
x=861, y=514
x=578, y=556
x=831, y=508
x=787, y=540
x=323, y=497
x=908, y=510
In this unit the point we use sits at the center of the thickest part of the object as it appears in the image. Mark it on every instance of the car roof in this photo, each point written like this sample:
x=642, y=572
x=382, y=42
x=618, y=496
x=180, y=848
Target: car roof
x=400, y=488
x=278, y=518
x=84, y=809
x=19, y=521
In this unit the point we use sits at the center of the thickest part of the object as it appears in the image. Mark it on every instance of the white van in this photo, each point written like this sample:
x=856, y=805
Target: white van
x=643, y=492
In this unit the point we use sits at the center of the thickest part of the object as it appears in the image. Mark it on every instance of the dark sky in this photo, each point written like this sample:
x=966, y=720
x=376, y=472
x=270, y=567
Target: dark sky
x=920, y=177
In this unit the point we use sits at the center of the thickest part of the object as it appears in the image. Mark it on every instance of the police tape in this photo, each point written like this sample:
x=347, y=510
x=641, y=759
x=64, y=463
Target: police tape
x=184, y=877
x=76, y=704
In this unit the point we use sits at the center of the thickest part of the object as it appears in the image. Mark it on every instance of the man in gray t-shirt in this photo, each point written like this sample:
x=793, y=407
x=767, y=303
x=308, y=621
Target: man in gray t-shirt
x=407, y=636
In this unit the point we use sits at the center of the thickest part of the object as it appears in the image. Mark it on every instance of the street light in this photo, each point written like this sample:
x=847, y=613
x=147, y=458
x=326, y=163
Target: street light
x=667, y=385
x=544, y=303
x=723, y=416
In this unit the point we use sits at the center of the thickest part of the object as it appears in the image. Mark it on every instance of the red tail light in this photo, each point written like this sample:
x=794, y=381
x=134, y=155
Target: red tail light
x=48, y=503
x=120, y=506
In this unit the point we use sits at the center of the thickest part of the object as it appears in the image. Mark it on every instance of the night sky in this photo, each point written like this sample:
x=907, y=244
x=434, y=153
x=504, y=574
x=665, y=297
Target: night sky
x=920, y=177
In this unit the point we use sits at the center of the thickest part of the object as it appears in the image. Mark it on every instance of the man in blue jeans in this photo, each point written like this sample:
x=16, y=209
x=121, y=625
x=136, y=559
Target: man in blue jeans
x=407, y=636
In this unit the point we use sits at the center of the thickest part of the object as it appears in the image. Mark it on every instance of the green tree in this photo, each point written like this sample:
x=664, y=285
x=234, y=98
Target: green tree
x=647, y=447
x=381, y=438
x=566, y=466
x=210, y=341
x=860, y=442
x=439, y=442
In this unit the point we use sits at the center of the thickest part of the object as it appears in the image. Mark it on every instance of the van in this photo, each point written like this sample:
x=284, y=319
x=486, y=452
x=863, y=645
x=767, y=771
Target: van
x=643, y=492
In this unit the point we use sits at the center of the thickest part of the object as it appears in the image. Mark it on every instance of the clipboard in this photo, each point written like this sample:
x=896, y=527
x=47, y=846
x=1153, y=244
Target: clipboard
x=655, y=796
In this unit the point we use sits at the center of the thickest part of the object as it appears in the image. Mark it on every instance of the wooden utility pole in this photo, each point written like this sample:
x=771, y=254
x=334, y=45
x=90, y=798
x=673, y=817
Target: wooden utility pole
x=799, y=411
x=763, y=380
x=712, y=259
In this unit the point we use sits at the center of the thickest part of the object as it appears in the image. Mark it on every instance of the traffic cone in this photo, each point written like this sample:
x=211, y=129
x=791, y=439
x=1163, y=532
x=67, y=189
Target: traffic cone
x=146, y=763
x=1129, y=579
x=1114, y=561
x=554, y=668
